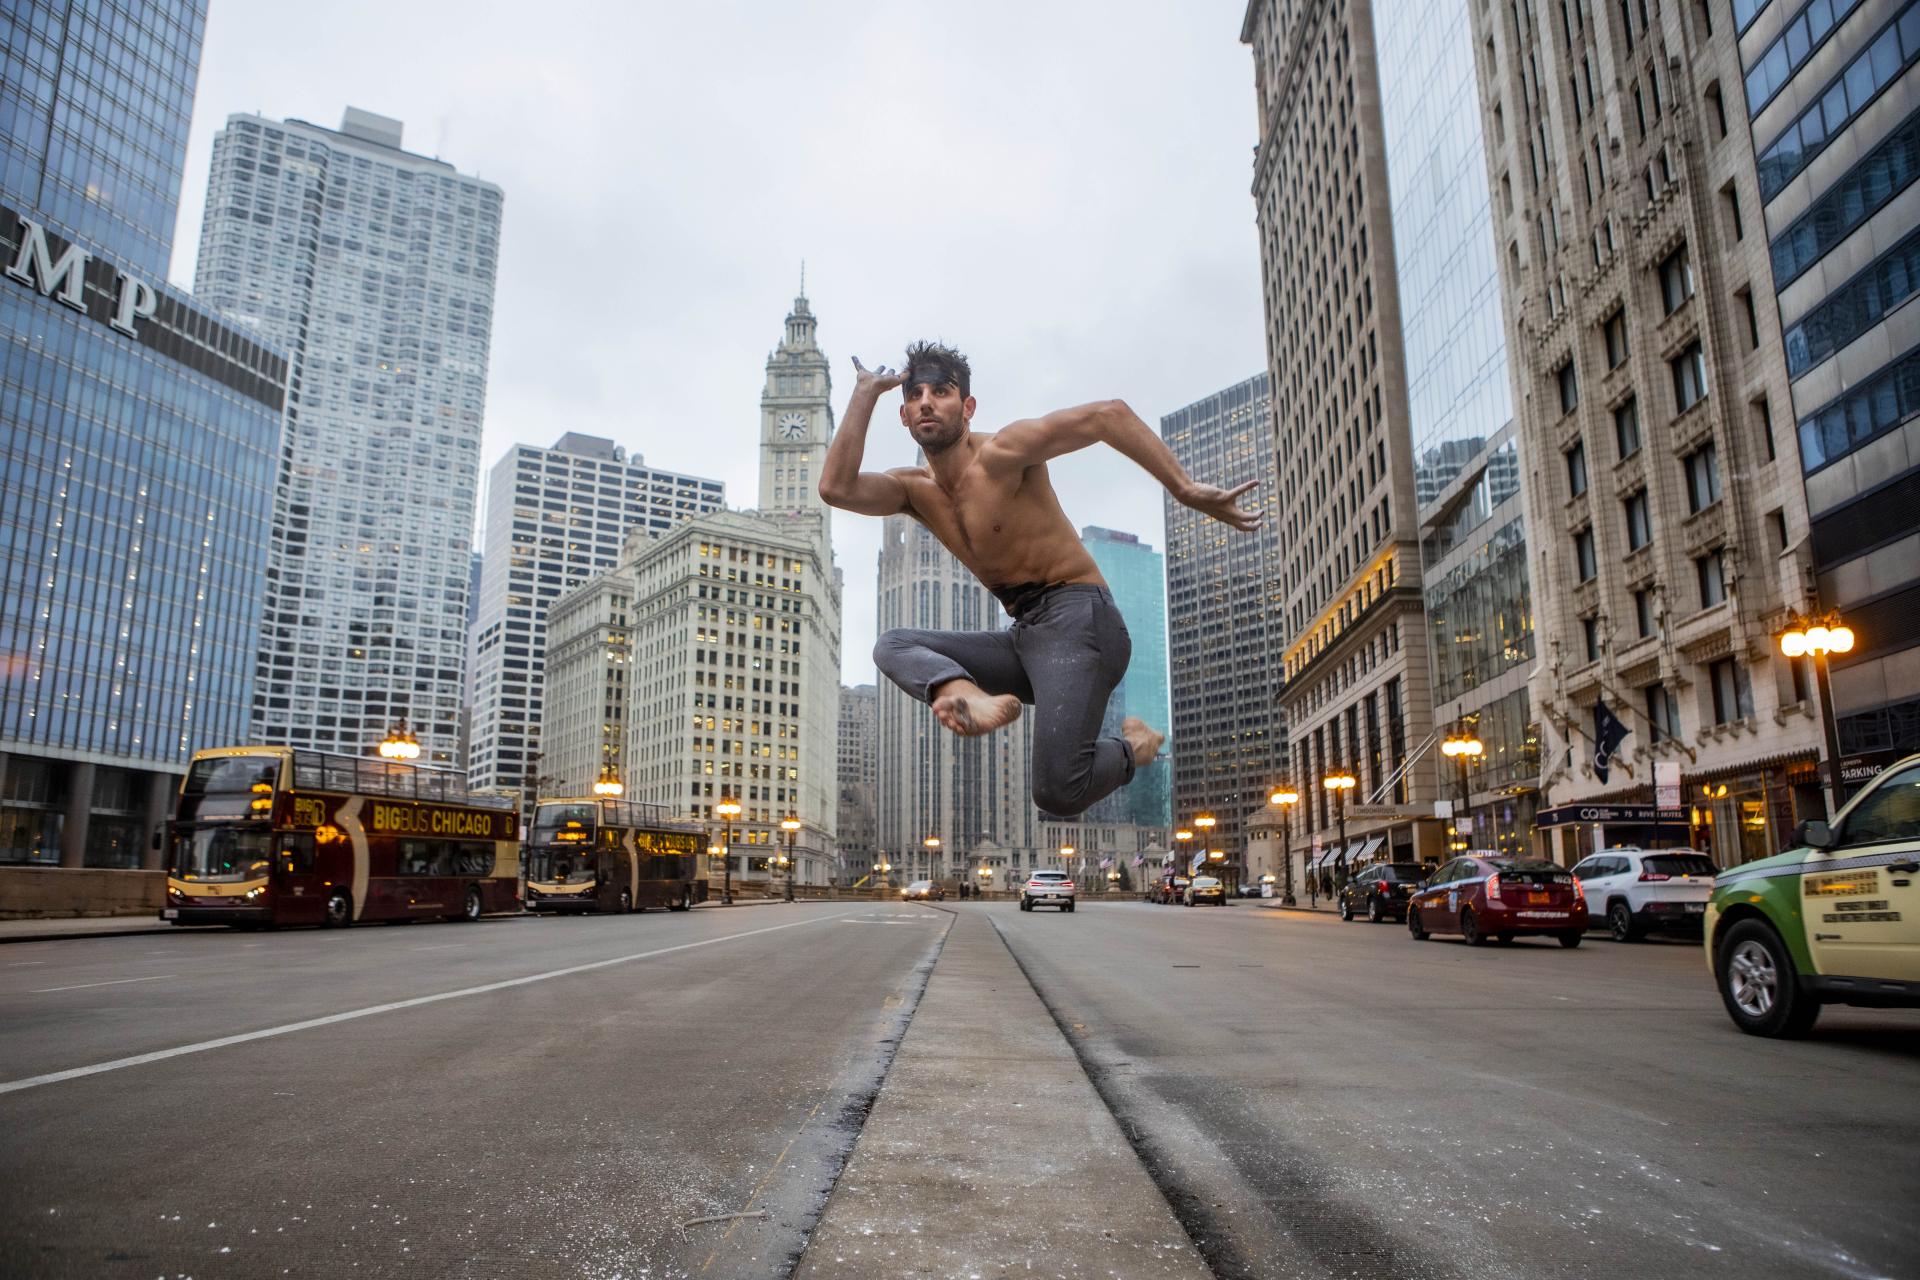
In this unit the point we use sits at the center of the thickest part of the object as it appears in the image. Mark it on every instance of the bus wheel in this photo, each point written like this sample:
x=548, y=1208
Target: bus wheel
x=339, y=910
x=626, y=901
x=473, y=906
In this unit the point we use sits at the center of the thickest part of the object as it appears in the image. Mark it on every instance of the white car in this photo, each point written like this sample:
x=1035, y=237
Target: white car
x=1640, y=890
x=1047, y=889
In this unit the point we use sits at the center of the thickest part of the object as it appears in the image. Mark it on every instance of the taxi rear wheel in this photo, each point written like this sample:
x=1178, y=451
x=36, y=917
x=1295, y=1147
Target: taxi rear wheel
x=1759, y=985
x=1470, y=929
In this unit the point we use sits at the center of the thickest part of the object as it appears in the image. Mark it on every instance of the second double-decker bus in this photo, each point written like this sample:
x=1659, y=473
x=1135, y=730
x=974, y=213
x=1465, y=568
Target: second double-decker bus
x=594, y=854
x=275, y=835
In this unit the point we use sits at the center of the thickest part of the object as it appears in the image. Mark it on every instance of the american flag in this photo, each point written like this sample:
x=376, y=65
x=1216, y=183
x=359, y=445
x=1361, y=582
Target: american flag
x=1106, y=863
x=1139, y=859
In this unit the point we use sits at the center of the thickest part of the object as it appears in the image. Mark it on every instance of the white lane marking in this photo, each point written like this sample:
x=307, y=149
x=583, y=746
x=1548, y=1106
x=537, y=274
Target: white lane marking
x=160, y=1055
x=23, y=964
x=444, y=946
x=81, y=986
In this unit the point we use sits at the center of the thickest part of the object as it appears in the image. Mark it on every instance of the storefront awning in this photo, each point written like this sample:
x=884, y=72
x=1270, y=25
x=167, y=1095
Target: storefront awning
x=1367, y=850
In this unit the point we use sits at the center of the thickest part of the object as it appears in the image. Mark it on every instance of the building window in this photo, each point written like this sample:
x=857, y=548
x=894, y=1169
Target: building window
x=1626, y=428
x=1703, y=477
x=1689, y=378
x=1643, y=611
x=1713, y=584
x=1577, y=469
x=1583, y=555
x=1663, y=713
x=1590, y=630
x=1676, y=279
x=1569, y=387
x=1763, y=422
x=1732, y=692
x=1639, y=525
x=1615, y=332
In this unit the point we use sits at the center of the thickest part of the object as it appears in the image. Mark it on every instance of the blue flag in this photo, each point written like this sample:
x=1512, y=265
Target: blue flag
x=1607, y=735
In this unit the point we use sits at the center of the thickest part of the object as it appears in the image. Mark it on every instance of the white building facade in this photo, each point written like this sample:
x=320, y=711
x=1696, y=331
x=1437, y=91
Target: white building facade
x=554, y=518
x=374, y=269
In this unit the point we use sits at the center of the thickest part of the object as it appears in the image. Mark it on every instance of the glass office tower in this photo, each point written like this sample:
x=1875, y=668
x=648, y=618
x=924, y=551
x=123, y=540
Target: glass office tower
x=137, y=444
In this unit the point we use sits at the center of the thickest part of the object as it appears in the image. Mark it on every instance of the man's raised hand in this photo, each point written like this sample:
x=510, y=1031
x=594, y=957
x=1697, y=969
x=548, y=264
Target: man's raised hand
x=881, y=380
x=1223, y=505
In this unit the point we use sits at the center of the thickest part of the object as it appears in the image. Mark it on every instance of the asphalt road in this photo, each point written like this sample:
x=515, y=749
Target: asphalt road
x=575, y=1125
x=600, y=1097
x=1327, y=1099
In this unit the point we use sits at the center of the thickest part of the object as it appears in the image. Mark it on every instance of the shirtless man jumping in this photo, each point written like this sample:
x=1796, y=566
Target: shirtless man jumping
x=989, y=501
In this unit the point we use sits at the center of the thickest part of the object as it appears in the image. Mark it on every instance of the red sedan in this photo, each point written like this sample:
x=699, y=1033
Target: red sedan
x=1488, y=897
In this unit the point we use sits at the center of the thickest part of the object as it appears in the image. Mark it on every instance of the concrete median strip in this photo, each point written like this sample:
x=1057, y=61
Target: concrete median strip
x=988, y=1152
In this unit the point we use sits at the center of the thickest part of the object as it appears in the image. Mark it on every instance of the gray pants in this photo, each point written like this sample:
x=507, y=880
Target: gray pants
x=1064, y=654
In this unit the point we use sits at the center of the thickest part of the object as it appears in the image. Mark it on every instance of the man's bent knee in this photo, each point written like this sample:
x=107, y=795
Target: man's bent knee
x=1059, y=798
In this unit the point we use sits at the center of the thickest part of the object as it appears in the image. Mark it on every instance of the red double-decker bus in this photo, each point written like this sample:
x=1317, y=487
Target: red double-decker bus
x=601, y=855
x=274, y=835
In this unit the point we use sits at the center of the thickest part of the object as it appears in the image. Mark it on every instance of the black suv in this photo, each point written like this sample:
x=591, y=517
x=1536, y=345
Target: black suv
x=1380, y=892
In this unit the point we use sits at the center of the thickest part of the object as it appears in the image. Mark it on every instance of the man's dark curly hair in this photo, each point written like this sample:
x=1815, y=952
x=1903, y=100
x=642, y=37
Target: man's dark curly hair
x=934, y=363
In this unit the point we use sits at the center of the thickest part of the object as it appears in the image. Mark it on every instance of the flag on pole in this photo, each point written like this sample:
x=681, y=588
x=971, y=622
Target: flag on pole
x=1139, y=859
x=1608, y=733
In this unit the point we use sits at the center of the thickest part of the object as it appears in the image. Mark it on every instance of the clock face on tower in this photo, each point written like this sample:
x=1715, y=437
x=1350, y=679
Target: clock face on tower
x=791, y=426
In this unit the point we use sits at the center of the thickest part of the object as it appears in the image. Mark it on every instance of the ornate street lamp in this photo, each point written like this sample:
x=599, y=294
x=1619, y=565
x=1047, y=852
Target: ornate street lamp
x=728, y=809
x=1461, y=748
x=932, y=846
x=1340, y=782
x=790, y=825
x=1805, y=638
x=608, y=785
x=1284, y=798
x=399, y=744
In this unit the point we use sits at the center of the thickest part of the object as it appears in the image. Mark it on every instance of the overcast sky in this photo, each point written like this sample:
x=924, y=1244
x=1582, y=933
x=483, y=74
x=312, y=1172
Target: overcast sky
x=1058, y=189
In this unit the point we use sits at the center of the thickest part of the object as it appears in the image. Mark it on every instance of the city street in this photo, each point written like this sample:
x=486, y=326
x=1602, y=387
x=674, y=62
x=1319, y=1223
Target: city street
x=676, y=1095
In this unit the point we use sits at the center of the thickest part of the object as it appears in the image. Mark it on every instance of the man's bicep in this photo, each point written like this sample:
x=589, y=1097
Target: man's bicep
x=873, y=493
x=1035, y=440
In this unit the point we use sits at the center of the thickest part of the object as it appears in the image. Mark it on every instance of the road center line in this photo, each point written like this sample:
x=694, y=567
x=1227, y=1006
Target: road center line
x=160, y=1055
x=81, y=986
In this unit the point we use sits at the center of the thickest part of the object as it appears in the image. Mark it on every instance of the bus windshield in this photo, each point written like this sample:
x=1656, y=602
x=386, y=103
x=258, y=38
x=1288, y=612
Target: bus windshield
x=230, y=787
x=220, y=854
x=560, y=866
x=565, y=824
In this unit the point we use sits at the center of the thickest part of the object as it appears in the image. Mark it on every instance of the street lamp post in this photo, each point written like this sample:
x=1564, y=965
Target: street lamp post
x=1461, y=748
x=729, y=810
x=1206, y=822
x=1285, y=798
x=932, y=846
x=608, y=785
x=400, y=744
x=1805, y=638
x=886, y=875
x=1340, y=782
x=790, y=825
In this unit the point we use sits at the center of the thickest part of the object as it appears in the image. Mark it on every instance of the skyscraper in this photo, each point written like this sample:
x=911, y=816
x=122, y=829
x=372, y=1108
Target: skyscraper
x=138, y=437
x=1473, y=545
x=1137, y=576
x=1833, y=107
x=1223, y=621
x=859, y=764
x=374, y=267
x=554, y=518
x=1665, y=526
x=1356, y=695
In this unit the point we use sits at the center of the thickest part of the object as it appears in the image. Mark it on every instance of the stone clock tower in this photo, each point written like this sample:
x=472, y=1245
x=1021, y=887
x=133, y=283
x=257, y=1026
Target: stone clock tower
x=796, y=420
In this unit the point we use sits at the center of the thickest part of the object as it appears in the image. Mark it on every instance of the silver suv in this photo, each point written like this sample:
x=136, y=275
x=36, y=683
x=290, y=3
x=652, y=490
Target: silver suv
x=1640, y=890
x=1047, y=889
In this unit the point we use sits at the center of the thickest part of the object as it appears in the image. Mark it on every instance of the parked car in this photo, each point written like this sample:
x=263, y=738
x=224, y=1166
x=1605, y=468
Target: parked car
x=1169, y=890
x=1047, y=889
x=1381, y=891
x=1483, y=896
x=1834, y=920
x=1206, y=889
x=924, y=891
x=1637, y=891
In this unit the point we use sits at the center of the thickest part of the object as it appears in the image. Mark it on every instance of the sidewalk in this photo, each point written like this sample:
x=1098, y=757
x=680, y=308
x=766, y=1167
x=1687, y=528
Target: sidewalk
x=985, y=1126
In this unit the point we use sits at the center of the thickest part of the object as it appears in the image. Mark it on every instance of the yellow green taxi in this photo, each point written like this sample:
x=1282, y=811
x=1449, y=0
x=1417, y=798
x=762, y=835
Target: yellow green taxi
x=1834, y=920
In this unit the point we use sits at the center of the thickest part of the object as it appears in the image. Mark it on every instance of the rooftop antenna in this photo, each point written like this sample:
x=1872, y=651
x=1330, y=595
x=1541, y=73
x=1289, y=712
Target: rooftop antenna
x=803, y=277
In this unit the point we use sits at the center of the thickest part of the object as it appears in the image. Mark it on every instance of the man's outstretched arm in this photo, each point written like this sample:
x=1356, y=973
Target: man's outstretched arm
x=842, y=483
x=1111, y=422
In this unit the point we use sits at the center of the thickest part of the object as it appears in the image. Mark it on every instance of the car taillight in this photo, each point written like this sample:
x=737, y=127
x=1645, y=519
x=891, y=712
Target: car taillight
x=1381, y=885
x=1579, y=891
x=1654, y=875
x=1493, y=886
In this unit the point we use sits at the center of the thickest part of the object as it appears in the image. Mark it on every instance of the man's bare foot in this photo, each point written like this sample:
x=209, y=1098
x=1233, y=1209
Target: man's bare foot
x=970, y=711
x=1144, y=741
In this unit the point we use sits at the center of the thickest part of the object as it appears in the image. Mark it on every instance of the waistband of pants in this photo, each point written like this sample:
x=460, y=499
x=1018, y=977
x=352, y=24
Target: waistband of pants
x=1024, y=597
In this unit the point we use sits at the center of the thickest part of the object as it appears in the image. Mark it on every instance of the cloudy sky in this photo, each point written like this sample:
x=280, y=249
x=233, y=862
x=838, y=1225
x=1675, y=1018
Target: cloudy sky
x=1058, y=188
